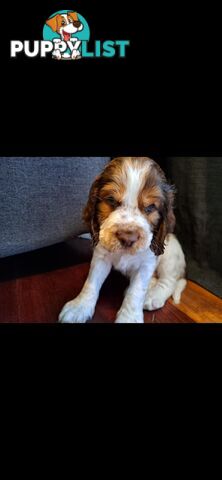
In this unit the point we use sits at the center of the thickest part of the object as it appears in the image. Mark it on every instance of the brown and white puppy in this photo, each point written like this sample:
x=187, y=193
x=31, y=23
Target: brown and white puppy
x=66, y=24
x=130, y=215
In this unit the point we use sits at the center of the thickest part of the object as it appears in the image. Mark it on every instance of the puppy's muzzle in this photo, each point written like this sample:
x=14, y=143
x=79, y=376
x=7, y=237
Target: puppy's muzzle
x=127, y=238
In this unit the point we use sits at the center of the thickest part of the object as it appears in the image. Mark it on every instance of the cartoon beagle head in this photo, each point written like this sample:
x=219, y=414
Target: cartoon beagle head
x=65, y=24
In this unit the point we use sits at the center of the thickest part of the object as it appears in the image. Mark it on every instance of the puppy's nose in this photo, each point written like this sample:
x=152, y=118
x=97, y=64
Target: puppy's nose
x=76, y=23
x=127, y=237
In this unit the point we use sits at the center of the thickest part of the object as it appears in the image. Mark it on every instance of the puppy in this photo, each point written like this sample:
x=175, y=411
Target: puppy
x=130, y=215
x=65, y=25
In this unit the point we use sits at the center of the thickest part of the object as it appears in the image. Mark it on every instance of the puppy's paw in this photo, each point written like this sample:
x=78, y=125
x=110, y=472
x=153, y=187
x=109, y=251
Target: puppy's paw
x=154, y=299
x=76, y=311
x=152, y=283
x=133, y=317
x=76, y=54
x=57, y=54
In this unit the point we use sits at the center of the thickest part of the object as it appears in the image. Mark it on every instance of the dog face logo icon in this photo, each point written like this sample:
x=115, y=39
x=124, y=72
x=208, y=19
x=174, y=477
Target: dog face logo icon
x=66, y=29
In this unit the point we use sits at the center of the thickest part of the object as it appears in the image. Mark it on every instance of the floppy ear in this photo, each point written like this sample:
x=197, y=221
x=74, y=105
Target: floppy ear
x=73, y=15
x=52, y=23
x=167, y=222
x=89, y=212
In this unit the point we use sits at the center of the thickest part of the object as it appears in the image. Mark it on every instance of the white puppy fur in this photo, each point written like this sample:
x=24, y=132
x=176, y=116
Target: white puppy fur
x=153, y=279
x=144, y=292
x=169, y=280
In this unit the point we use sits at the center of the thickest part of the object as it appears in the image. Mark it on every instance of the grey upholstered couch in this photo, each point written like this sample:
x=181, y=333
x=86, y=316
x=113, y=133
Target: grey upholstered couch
x=42, y=198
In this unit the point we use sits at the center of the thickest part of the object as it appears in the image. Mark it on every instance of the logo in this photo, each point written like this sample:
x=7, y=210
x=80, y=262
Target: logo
x=66, y=34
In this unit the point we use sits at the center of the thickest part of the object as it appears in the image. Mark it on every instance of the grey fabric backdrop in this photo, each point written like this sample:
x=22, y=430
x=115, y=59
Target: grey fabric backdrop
x=41, y=199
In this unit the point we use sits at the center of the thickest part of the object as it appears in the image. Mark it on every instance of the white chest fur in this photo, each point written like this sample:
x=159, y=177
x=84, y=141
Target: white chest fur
x=127, y=264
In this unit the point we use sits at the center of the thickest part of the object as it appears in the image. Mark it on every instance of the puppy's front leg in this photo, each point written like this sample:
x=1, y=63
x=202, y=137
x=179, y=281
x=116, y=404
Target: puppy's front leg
x=82, y=308
x=74, y=45
x=131, y=310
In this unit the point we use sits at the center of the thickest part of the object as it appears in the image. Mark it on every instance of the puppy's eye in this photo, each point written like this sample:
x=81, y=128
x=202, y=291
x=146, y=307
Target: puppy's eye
x=112, y=202
x=63, y=22
x=70, y=20
x=150, y=208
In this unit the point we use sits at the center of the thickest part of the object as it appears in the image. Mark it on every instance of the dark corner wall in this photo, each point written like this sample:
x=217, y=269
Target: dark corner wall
x=198, y=181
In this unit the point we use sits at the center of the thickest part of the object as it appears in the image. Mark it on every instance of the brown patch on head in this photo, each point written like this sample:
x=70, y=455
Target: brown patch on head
x=61, y=22
x=74, y=17
x=58, y=21
x=114, y=191
x=104, y=210
x=53, y=22
x=105, y=195
x=110, y=197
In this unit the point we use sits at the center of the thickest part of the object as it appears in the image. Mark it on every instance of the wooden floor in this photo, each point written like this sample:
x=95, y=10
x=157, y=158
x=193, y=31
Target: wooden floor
x=200, y=305
x=39, y=298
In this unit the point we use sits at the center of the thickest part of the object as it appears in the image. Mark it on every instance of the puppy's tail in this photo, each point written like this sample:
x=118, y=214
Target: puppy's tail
x=180, y=286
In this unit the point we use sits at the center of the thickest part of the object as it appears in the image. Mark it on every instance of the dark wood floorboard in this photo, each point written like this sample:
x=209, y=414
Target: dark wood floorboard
x=39, y=298
x=34, y=287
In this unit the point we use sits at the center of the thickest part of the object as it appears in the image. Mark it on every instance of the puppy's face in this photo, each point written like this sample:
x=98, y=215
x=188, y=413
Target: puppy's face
x=65, y=24
x=130, y=206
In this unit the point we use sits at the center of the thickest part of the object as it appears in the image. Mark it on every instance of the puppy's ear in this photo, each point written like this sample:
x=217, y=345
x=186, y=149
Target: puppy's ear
x=167, y=222
x=73, y=15
x=52, y=23
x=89, y=212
